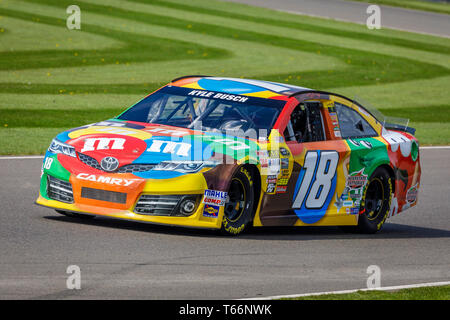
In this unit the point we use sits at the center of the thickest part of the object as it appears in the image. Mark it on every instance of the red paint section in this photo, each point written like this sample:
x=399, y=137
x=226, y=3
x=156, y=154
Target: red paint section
x=126, y=149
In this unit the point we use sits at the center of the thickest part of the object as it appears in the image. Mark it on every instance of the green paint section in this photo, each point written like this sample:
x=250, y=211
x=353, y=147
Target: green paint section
x=367, y=154
x=235, y=147
x=55, y=170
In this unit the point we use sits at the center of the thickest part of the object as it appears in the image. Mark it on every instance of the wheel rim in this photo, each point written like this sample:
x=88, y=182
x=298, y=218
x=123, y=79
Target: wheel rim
x=374, y=199
x=235, y=205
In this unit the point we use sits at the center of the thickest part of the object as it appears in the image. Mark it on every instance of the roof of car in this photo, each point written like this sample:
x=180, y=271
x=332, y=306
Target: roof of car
x=248, y=87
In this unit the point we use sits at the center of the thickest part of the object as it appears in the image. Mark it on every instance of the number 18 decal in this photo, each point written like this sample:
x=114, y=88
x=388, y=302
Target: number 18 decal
x=315, y=185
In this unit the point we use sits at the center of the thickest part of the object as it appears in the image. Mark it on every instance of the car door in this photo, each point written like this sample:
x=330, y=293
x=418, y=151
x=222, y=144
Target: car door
x=320, y=157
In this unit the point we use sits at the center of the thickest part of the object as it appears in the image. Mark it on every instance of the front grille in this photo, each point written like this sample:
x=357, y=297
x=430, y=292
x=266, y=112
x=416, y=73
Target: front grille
x=89, y=161
x=135, y=167
x=104, y=195
x=59, y=190
x=128, y=168
x=157, y=205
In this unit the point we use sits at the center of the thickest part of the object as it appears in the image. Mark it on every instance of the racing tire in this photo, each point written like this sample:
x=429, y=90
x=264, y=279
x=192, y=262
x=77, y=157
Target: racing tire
x=375, y=202
x=75, y=215
x=239, y=208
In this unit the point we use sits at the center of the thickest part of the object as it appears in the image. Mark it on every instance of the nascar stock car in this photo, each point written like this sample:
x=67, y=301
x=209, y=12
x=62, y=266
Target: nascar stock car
x=225, y=153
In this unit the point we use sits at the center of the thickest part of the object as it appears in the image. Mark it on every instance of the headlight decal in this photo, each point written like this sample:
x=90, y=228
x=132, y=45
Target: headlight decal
x=184, y=167
x=57, y=146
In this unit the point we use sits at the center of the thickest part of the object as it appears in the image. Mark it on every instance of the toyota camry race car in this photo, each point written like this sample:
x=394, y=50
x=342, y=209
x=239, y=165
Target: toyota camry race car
x=225, y=153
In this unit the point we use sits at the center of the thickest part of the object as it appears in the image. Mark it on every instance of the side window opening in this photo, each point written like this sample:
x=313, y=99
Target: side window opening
x=352, y=124
x=306, y=123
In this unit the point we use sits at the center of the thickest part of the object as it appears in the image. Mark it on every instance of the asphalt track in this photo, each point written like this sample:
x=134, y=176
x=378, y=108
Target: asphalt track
x=391, y=17
x=128, y=260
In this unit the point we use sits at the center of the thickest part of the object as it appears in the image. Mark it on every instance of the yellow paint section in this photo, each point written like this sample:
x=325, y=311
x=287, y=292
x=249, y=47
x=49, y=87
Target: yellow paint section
x=193, y=85
x=186, y=184
x=262, y=94
x=196, y=220
x=110, y=130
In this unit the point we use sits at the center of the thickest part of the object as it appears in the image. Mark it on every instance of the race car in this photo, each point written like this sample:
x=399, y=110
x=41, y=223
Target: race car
x=227, y=154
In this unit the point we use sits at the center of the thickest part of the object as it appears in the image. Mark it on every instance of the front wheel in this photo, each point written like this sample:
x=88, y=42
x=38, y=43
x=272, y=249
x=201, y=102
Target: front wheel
x=238, y=210
x=375, y=202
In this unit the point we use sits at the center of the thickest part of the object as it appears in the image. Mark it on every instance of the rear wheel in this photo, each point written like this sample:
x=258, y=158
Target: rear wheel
x=75, y=215
x=375, y=202
x=238, y=210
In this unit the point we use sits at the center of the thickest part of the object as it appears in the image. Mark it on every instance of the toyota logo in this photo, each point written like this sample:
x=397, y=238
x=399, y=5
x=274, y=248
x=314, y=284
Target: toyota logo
x=109, y=164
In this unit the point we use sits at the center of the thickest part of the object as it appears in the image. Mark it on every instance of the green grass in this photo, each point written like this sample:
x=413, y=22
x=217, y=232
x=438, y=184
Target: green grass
x=439, y=7
x=52, y=78
x=425, y=293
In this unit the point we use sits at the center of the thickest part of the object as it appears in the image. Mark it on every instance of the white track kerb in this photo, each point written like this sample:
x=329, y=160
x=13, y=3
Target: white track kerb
x=410, y=286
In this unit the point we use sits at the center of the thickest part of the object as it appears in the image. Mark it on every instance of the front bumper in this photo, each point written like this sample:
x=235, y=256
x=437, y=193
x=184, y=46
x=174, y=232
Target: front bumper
x=189, y=184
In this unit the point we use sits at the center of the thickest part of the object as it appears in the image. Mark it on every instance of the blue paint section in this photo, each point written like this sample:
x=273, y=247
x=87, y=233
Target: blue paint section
x=159, y=174
x=308, y=215
x=63, y=136
x=166, y=148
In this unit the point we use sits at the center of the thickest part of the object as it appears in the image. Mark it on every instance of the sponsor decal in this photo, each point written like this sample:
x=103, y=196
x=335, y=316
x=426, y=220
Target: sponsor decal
x=217, y=95
x=363, y=143
x=108, y=180
x=271, y=188
x=285, y=152
x=284, y=163
x=274, y=154
x=411, y=194
x=109, y=164
x=397, y=140
x=357, y=179
x=274, y=166
x=214, y=197
x=233, y=144
x=170, y=132
x=211, y=211
x=178, y=148
x=115, y=131
x=281, y=189
x=273, y=180
x=262, y=153
x=92, y=144
x=48, y=163
x=337, y=132
x=347, y=203
x=117, y=124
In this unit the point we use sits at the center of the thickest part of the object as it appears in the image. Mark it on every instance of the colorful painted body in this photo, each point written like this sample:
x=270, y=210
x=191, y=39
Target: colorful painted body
x=296, y=183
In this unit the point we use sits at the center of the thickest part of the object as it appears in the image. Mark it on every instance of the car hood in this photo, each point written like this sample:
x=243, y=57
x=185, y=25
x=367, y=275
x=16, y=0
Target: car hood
x=134, y=142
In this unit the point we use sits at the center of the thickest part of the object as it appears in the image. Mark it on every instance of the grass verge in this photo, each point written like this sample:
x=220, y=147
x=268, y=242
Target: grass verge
x=436, y=6
x=424, y=293
x=126, y=49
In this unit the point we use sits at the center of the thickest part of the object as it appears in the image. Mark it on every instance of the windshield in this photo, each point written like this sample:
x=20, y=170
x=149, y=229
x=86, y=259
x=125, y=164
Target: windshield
x=207, y=111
